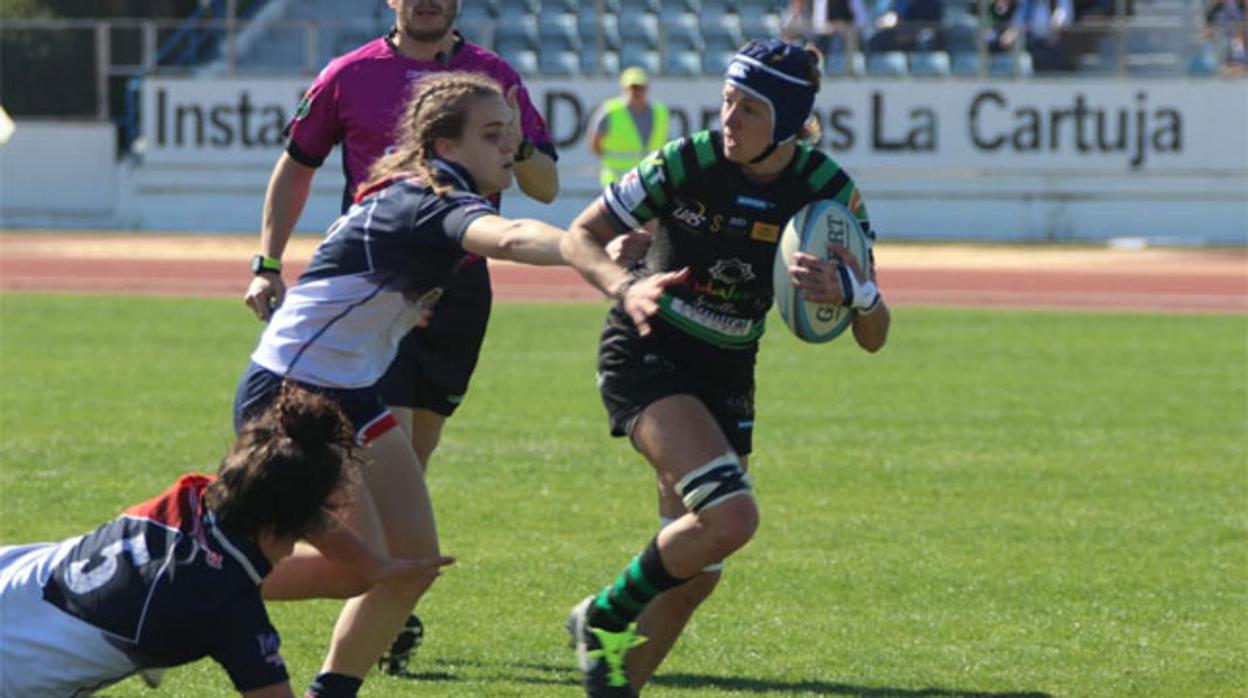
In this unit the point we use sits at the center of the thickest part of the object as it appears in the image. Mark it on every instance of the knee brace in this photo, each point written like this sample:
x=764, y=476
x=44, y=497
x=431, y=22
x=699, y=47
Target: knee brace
x=714, y=483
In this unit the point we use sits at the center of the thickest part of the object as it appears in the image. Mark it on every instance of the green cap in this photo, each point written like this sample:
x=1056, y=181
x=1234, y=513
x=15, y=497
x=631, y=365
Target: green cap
x=634, y=76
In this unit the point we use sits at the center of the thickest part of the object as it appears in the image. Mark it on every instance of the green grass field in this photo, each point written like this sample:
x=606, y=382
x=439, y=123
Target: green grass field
x=1004, y=503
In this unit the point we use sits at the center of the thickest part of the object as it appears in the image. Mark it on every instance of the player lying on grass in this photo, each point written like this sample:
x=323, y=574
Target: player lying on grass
x=676, y=360
x=178, y=577
x=380, y=272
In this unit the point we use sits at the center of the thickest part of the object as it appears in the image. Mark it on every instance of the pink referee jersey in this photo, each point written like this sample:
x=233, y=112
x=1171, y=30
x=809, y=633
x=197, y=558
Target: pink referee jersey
x=358, y=97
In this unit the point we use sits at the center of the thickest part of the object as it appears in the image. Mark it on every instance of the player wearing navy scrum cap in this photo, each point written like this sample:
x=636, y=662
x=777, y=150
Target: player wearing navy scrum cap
x=676, y=358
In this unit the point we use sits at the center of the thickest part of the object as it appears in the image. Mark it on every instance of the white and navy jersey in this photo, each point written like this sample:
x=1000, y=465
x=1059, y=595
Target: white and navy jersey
x=383, y=264
x=722, y=226
x=159, y=586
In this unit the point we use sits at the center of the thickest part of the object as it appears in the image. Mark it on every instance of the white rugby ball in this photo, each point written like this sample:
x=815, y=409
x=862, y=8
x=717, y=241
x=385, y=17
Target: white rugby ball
x=810, y=230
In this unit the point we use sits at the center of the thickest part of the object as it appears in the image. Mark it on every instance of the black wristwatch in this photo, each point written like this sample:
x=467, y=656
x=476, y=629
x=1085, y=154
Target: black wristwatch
x=260, y=264
x=524, y=151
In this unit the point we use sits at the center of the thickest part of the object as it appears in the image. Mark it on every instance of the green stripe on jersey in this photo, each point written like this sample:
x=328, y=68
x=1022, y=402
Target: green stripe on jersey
x=823, y=174
x=803, y=156
x=675, y=163
x=704, y=149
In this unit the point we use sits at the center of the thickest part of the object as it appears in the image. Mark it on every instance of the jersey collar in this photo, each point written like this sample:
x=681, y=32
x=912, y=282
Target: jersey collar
x=246, y=553
x=454, y=175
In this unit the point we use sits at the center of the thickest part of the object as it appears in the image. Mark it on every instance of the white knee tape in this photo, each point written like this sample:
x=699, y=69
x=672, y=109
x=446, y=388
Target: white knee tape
x=714, y=483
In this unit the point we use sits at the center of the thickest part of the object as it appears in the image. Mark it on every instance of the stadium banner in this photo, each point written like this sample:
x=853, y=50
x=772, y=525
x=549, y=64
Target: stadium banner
x=1110, y=126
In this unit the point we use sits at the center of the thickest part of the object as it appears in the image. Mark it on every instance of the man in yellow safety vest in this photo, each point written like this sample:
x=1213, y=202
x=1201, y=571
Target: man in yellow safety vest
x=628, y=127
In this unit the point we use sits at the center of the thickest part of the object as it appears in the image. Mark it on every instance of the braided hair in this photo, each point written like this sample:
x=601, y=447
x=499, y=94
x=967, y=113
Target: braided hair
x=438, y=108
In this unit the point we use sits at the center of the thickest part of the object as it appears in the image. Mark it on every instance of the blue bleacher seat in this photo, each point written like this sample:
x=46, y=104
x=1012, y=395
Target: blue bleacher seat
x=965, y=64
x=930, y=64
x=558, y=32
x=684, y=63
x=681, y=32
x=474, y=14
x=517, y=33
x=1006, y=65
x=480, y=33
x=513, y=8
x=722, y=32
x=756, y=6
x=638, y=6
x=716, y=62
x=523, y=60
x=1204, y=62
x=608, y=26
x=639, y=29
x=558, y=62
x=595, y=63
x=759, y=26
x=887, y=64
x=644, y=58
x=838, y=63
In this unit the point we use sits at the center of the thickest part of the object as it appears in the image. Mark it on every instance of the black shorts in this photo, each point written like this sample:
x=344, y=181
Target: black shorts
x=634, y=372
x=435, y=363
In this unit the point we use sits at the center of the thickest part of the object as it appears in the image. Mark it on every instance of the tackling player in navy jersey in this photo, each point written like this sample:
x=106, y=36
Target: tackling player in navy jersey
x=178, y=577
x=380, y=272
x=676, y=360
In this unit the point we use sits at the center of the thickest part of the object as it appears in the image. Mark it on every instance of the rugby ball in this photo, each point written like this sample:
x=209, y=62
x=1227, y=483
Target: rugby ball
x=810, y=230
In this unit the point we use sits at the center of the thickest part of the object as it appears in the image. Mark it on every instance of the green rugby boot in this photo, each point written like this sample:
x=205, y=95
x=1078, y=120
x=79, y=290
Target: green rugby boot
x=600, y=654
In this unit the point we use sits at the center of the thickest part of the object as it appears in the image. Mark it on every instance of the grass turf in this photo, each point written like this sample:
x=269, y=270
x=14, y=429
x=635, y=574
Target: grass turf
x=1011, y=503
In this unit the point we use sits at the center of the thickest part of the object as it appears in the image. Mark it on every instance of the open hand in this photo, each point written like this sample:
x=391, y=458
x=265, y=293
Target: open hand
x=641, y=299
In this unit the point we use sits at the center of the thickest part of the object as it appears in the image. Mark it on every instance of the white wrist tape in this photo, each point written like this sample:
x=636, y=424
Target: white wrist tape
x=859, y=295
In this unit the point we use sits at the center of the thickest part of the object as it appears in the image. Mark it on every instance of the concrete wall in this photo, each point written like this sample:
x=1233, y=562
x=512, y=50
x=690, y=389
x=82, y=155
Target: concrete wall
x=60, y=173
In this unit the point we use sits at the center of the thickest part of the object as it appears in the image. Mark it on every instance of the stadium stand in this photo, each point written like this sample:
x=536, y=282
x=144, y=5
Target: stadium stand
x=691, y=37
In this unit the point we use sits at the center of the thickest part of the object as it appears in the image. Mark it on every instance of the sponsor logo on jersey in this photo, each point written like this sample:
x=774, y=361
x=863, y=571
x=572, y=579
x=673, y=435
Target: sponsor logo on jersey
x=428, y=299
x=629, y=191
x=691, y=213
x=213, y=558
x=270, y=645
x=732, y=271
x=755, y=203
x=765, y=232
x=305, y=106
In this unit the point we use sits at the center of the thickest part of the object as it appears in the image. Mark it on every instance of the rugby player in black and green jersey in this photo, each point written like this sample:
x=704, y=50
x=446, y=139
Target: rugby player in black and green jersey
x=676, y=360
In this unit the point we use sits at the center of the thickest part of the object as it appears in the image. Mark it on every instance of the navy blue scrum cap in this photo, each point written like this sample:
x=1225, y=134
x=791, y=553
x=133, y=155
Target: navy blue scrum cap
x=775, y=71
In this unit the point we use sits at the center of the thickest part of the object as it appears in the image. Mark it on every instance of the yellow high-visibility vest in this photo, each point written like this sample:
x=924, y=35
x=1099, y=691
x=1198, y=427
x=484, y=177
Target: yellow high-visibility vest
x=622, y=148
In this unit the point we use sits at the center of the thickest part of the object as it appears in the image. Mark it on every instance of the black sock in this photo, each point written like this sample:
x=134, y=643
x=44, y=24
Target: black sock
x=618, y=605
x=330, y=685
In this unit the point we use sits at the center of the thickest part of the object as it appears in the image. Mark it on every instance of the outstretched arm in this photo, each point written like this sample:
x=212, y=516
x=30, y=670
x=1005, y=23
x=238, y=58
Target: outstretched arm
x=519, y=240
x=585, y=249
x=338, y=565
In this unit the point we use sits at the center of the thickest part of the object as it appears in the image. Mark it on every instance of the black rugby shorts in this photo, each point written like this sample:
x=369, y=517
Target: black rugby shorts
x=435, y=363
x=634, y=372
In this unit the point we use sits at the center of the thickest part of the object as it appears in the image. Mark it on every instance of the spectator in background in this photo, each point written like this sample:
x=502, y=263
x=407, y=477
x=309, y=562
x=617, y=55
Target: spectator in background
x=1042, y=23
x=1001, y=33
x=1227, y=27
x=628, y=127
x=909, y=25
x=839, y=25
x=795, y=23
